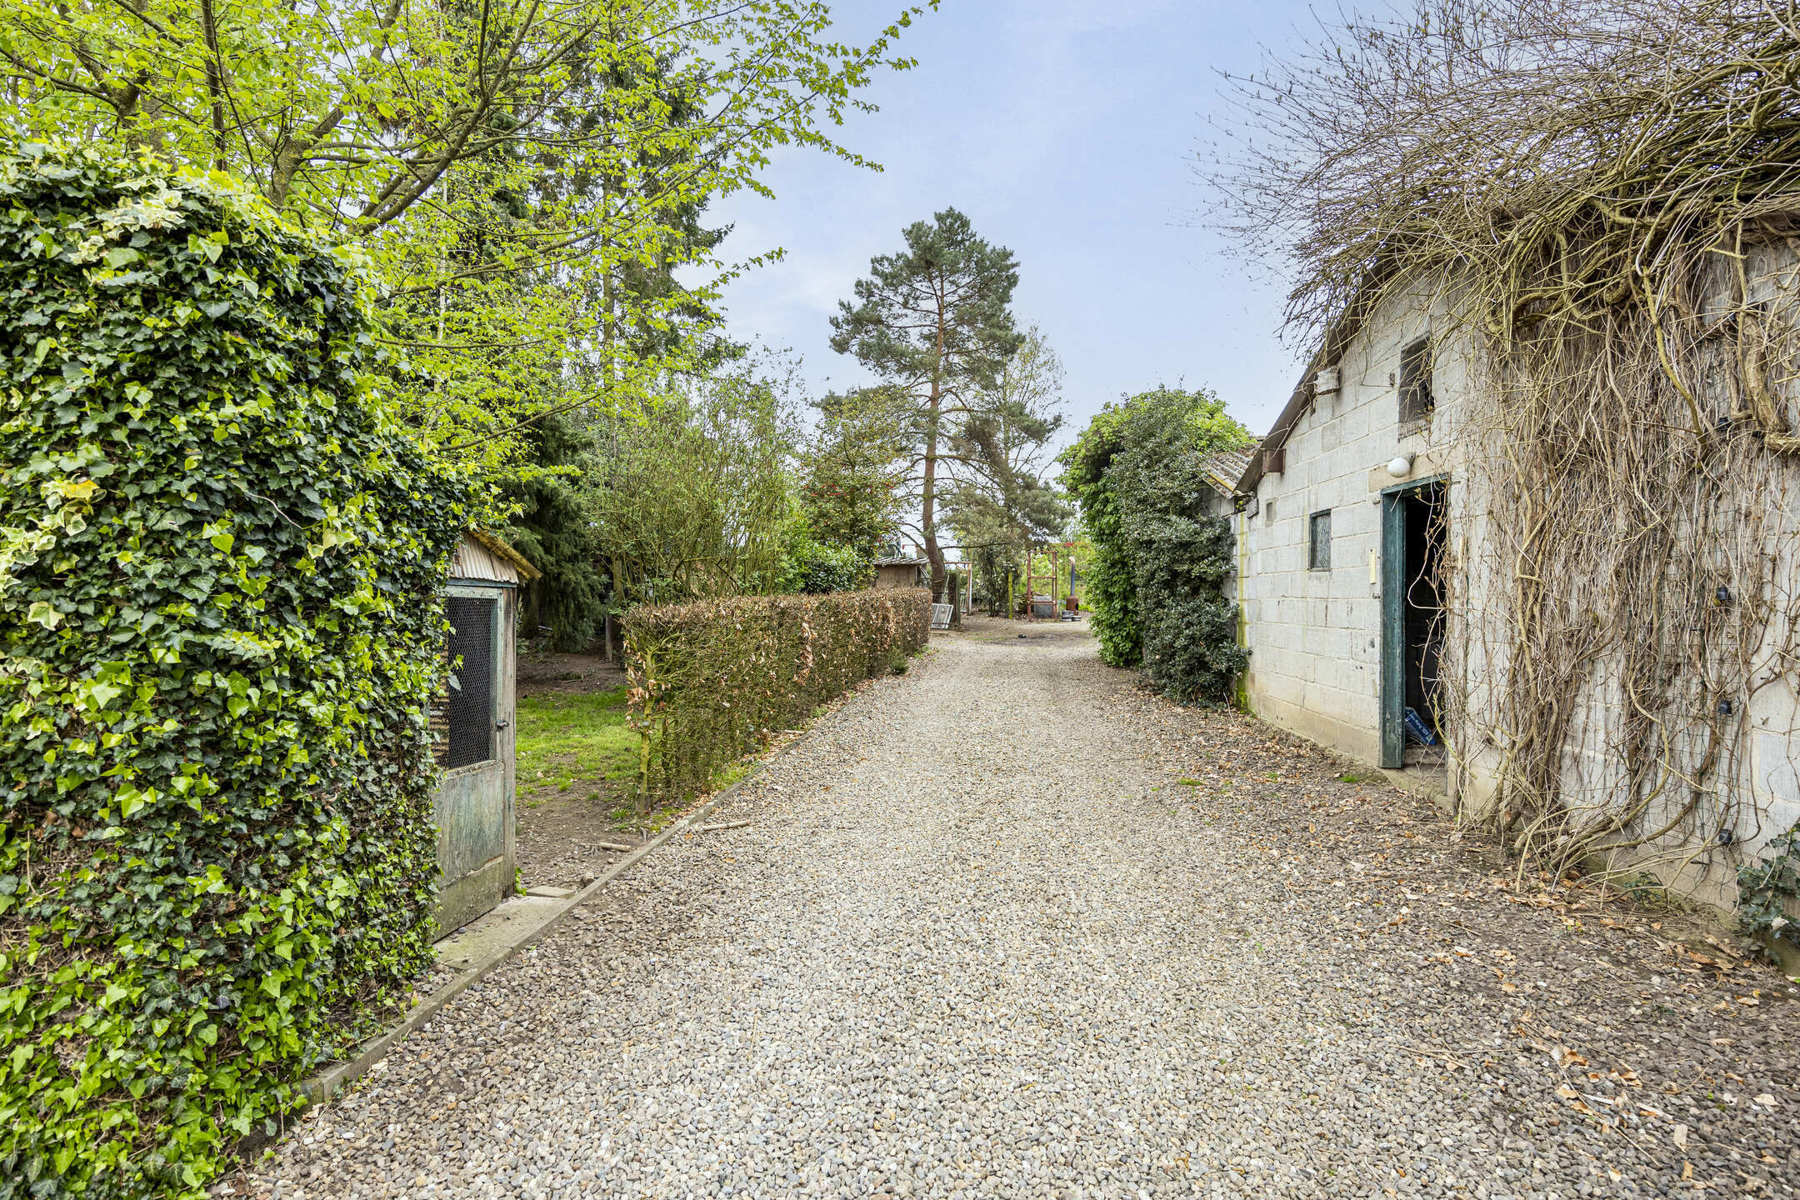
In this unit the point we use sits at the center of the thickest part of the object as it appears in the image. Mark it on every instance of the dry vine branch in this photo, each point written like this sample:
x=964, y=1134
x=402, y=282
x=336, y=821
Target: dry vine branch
x=1603, y=198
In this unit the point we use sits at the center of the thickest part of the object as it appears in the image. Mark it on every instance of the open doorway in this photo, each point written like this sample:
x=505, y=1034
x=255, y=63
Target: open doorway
x=1413, y=530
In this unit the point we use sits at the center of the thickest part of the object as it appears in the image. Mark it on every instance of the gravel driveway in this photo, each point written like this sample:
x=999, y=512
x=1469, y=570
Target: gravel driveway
x=1008, y=926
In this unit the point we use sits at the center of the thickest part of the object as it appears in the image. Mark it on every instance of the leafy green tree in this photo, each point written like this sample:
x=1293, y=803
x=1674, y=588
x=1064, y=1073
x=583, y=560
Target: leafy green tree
x=935, y=323
x=693, y=498
x=999, y=501
x=525, y=178
x=854, y=468
x=1160, y=553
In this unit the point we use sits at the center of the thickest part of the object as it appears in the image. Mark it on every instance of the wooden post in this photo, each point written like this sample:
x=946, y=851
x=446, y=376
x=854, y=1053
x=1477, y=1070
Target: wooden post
x=1030, y=580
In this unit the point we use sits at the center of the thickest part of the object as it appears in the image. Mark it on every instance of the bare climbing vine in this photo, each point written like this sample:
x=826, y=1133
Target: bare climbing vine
x=1603, y=202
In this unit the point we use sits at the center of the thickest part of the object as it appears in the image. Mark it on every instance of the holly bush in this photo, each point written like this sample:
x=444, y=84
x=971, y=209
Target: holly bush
x=1188, y=627
x=220, y=631
x=1155, y=584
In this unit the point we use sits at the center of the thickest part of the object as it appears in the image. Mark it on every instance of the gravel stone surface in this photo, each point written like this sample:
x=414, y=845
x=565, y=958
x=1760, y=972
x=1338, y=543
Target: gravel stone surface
x=1009, y=926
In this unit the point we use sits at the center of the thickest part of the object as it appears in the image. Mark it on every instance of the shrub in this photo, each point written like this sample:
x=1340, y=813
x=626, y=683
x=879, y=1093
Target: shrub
x=1768, y=889
x=819, y=567
x=1111, y=581
x=220, y=629
x=1155, y=581
x=711, y=681
x=1188, y=628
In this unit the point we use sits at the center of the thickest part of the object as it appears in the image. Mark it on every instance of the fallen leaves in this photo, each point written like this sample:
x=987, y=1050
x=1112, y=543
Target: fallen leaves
x=1566, y=1058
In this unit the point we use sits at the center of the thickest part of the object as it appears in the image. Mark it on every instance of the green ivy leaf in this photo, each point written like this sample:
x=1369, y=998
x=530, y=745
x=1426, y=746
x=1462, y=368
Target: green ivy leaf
x=43, y=613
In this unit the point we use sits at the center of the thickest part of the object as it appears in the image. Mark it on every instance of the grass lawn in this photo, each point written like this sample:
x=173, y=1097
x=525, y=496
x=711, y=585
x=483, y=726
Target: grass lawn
x=576, y=745
x=574, y=748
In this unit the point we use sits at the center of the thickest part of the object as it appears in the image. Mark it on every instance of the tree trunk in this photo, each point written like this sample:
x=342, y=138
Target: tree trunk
x=928, y=493
x=928, y=503
x=215, y=81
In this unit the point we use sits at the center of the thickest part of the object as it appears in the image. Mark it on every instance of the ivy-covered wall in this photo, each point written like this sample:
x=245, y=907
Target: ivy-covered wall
x=220, y=627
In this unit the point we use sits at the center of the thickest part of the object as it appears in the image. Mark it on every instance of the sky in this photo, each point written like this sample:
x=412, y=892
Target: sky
x=1066, y=130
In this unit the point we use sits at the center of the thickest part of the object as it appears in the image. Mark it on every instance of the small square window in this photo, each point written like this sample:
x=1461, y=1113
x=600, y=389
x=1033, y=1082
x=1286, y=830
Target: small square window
x=1416, y=400
x=1318, y=545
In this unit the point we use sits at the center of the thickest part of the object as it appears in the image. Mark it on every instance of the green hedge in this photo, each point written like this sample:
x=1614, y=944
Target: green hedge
x=711, y=681
x=220, y=630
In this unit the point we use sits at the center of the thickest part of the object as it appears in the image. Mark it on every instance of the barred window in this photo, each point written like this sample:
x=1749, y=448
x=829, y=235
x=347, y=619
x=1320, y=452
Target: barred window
x=1318, y=546
x=1416, y=401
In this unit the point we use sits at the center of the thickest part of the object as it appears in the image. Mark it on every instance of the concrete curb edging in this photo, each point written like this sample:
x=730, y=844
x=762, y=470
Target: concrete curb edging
x=333, y=1079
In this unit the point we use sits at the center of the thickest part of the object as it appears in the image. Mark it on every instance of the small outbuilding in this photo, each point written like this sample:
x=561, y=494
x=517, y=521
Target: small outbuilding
x=902, y=571
x=473, y=729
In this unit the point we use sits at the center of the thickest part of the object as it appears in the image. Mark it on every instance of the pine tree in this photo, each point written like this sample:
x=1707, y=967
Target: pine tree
x=935, y=323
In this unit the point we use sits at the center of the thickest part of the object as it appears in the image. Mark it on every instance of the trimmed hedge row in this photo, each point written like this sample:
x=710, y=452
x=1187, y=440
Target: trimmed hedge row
x=711, y=681
x=221, y=626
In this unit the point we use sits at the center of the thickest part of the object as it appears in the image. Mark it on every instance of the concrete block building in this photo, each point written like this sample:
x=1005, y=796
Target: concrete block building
x=1374, y=583
x=1340, y=540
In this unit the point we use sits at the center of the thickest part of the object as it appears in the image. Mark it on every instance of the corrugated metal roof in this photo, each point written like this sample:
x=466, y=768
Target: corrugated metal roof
x=501, y=550
x=1225, y=468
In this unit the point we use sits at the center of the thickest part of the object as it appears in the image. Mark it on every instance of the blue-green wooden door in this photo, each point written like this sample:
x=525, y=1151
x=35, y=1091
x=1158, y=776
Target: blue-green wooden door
x=474, y=802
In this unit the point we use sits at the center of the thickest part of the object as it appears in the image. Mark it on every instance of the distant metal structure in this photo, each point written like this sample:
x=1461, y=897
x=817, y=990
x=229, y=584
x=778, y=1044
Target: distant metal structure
x=1044, y=606
x=941, y=614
